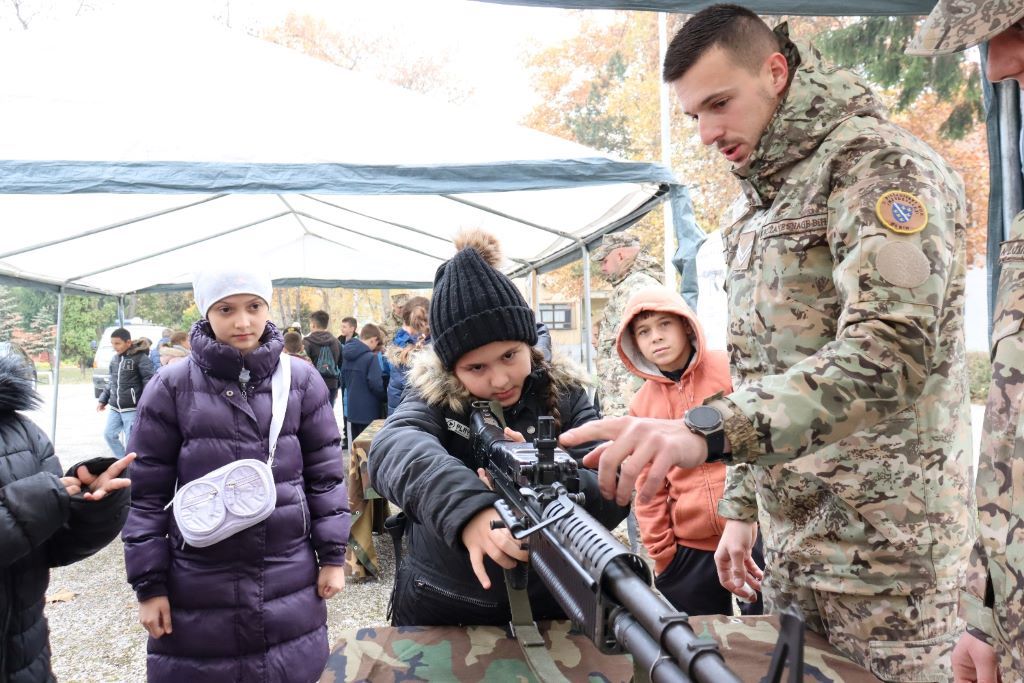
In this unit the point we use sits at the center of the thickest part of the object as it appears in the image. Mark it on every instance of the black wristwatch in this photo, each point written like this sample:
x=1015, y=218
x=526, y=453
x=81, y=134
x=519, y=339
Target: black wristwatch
x=707, y=422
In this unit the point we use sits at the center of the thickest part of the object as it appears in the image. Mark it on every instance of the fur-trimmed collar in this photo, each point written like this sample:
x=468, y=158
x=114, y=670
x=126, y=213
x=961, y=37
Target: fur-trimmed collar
x=440, y=387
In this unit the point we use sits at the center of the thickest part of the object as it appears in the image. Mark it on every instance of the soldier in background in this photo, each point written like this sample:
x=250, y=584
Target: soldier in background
x=392, y=322
x=992, y=603
x=849, y=418
x=628, y=271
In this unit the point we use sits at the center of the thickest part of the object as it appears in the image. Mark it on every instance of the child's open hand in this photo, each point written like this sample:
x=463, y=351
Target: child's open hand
x=330, y=582
x=98, y=486
x=480, y=540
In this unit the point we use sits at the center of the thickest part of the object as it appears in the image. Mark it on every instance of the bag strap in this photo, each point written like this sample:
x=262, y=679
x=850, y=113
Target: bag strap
x=280, y=386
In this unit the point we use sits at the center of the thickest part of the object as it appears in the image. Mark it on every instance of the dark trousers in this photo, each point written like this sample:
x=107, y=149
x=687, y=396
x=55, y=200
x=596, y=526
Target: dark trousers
x=357, y=428
x=691, y=584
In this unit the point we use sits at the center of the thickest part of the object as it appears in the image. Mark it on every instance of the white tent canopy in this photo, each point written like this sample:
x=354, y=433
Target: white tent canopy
x=134, y=149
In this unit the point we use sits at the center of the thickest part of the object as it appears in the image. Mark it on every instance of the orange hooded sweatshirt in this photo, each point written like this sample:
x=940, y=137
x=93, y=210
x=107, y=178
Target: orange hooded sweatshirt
x=685, y=510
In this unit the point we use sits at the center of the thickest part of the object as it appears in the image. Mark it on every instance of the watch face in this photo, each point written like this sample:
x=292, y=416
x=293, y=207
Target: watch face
x=704, y=418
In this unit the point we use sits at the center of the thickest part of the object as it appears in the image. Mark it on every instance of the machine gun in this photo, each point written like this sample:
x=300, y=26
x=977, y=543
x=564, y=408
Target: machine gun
x=603, y=588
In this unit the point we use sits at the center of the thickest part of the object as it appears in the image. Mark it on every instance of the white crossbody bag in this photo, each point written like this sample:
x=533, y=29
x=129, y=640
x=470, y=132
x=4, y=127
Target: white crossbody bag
x=240, y=494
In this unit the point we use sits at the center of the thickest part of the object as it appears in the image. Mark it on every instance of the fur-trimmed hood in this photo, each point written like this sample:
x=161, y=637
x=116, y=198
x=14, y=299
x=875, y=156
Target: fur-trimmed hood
x=16, y=392
x=440, y=387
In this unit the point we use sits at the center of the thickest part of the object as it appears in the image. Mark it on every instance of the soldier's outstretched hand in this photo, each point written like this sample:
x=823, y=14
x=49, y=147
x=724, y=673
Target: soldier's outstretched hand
x=974, y=661
x=631, y=443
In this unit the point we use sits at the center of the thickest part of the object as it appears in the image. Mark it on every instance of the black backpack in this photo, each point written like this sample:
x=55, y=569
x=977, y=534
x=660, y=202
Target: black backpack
x=325, y=363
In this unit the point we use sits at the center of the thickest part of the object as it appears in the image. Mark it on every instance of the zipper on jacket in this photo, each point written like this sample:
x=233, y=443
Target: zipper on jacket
x=421, y=584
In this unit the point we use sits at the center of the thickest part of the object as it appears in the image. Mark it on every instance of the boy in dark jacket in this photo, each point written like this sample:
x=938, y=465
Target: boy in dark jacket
x=324, y=350
x=363, y=379
x=46, y=520
x=130, y=371
x=483, y=331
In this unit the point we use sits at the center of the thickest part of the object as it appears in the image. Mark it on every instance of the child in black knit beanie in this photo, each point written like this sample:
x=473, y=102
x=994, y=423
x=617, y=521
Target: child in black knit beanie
x=483, y=336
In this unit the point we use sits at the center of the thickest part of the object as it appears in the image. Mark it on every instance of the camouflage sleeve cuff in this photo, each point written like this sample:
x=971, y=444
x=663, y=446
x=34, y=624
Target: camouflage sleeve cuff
x=736, y=510
x=738, y=429
x=976, y=614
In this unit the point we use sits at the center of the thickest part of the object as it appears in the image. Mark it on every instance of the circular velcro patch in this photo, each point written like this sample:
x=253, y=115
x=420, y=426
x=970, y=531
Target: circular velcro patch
x=903, y=264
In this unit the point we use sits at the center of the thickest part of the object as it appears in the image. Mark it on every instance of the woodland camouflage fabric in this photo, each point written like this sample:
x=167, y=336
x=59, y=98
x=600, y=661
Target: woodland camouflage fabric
x=617, y=384
x=488, y=653
x=846, y=347
x=956, y=25
x=999, y=553
x=366, y=507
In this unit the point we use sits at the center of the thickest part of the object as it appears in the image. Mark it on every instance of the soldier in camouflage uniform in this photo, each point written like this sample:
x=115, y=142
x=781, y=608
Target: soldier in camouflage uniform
x=992, y=603
x=393, y=319
x=850, y=418
x=627, y=270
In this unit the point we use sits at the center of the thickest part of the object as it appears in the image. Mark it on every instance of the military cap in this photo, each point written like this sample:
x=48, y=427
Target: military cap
x=956, y=25
x=614, y=241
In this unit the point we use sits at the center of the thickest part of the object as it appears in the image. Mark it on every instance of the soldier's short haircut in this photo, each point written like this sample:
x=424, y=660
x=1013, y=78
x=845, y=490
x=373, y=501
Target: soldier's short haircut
x=737, y=30
x=122, y=334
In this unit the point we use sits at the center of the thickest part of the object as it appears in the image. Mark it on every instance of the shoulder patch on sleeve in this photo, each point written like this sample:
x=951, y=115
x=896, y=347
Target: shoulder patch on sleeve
x=902, y=212
x=903, y=264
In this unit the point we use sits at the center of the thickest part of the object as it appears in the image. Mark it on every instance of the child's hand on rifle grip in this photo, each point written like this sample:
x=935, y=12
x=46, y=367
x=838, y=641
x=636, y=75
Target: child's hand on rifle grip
x=481, y=540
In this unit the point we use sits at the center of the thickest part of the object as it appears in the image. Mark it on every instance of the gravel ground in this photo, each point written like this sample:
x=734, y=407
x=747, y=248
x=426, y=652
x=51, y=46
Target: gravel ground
x=95, y=636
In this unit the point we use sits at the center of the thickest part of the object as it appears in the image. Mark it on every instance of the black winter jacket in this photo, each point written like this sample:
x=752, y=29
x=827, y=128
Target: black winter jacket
x=422, y=461
x=40, y=527
x=129, y=374
x=314, y=343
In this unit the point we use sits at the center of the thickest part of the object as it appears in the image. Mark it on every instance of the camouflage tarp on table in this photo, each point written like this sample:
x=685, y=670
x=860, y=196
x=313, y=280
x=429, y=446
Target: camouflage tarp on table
x=487, y=653
x=364, y=502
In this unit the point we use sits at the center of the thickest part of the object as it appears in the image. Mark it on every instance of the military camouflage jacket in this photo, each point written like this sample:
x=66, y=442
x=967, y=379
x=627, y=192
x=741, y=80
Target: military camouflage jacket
x=617, y=384
x=846, y=285
x=997, y=563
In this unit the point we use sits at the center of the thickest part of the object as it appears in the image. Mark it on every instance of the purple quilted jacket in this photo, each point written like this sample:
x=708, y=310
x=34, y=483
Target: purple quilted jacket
x=244, y=609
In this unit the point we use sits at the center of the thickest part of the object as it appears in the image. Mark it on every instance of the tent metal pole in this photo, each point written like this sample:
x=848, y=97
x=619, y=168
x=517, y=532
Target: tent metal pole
x=585, y=329
x=120, y=310
x=176, y=247
x=55, y=370
x=119, y=224
x=668, y=233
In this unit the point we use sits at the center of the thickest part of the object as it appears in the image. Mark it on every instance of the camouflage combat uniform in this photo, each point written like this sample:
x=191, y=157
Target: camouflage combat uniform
x=993, y=602
x=617, y=384
x=391, y=323
x=845, y=281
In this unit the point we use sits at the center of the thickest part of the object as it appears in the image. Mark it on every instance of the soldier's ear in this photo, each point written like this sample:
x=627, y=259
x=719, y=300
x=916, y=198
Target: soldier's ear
x=777, y=69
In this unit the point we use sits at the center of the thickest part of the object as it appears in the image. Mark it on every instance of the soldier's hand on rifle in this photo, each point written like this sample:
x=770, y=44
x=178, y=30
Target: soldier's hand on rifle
x=737, y=571
x=631, y=443
x=481, y=540
x=974, y=660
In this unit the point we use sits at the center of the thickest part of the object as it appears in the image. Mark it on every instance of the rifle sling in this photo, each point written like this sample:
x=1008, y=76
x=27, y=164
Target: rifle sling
x=531, y=642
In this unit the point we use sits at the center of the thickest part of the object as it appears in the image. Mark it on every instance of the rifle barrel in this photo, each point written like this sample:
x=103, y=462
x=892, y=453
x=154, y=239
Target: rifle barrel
x=678, y=639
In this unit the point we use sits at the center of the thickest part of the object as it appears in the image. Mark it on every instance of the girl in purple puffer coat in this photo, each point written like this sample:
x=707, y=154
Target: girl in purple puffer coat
x=251, y=607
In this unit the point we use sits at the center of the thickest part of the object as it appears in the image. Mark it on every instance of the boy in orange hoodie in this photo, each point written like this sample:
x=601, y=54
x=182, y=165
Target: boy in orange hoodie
x=661, y=340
